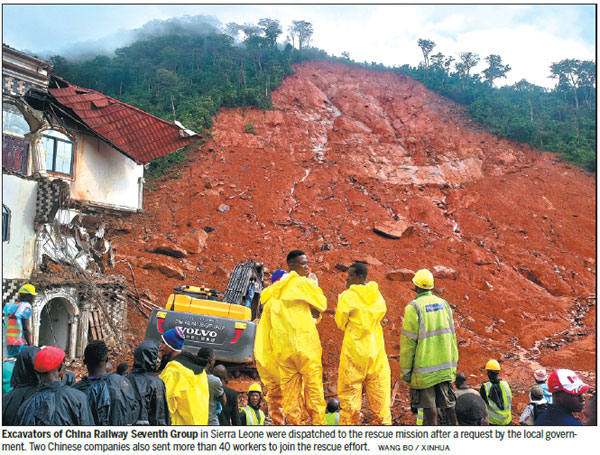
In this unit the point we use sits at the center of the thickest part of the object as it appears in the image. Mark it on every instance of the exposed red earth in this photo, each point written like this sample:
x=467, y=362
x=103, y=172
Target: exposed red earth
x=346, y=150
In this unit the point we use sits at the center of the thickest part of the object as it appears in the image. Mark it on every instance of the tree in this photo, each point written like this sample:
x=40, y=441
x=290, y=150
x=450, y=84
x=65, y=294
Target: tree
x=271, y=28
x=495, y=69
x=467, y=61
x=303, y=31
x=568, y=73
x=426, y=47
x=346, y=55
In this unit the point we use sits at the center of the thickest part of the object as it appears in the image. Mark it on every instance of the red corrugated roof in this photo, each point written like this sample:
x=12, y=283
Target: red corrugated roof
x=139, y=135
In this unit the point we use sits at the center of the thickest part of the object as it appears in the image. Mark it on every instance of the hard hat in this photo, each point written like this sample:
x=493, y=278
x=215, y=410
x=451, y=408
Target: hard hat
x=255, y=388
x=423, y=279
x=492, y=365
x=27, y=289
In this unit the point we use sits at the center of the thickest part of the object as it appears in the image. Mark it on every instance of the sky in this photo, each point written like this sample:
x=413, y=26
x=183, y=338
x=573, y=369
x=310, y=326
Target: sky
x=527, y=37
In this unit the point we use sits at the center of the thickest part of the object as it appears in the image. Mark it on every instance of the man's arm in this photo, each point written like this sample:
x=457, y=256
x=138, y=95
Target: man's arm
x=342, y=311
x=408, y=342
x=27, y=332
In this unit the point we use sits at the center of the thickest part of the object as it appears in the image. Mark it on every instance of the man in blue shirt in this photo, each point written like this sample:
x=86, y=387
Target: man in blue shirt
x=567, y=397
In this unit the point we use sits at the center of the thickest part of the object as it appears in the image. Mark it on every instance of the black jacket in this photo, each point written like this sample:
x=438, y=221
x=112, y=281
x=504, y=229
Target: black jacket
x=24, y=381
x=230, y=415
x=55, y=403
x=149, y=390
x=111, y=399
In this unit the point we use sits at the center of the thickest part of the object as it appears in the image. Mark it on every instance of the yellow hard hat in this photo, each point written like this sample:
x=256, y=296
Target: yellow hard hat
x=423, y=279
x=255, y=388
x=492, y=365
x=27, y=289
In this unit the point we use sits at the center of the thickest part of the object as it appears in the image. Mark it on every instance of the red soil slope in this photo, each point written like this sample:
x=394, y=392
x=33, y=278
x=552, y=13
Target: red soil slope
x=347, y=148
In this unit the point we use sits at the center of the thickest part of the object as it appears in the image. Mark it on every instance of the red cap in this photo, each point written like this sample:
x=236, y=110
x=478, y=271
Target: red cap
x=49, y=358
x=567, y=381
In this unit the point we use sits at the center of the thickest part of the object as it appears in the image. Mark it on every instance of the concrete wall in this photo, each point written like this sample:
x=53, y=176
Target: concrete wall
x=104, y=175
x=18, y=253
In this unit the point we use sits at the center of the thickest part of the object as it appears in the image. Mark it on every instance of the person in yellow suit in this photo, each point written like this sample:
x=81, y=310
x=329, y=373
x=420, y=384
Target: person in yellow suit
x=266, y=364
x=363, y=360
x=296, y=307
x=187, y=389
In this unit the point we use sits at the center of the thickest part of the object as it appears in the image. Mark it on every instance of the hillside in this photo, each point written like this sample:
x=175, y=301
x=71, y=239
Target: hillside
x=346, y=149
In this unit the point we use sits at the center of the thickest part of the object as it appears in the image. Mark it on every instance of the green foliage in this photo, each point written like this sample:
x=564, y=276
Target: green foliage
x=561, y=121
x=188, y=76
x=160, y=165
x=250, y=128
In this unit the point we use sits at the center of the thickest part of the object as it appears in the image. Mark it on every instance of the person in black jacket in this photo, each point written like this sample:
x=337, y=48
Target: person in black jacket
x=230, y=413
x=24, y=381
x=111, y=396
x=149, y=390
x=54, y=403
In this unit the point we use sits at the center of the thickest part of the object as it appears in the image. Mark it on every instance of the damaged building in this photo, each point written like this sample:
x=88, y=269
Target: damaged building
x=70, y=155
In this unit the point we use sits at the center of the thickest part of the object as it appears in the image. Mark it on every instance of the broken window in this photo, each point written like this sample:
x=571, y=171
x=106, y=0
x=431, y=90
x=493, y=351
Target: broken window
x=5, y=223
x=13, y=121
x=58, y=149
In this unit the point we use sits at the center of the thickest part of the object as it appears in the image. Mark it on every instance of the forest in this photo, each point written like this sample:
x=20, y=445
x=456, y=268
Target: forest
x=188, y=74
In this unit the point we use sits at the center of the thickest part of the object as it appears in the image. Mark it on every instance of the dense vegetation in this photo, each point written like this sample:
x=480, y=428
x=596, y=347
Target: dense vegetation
x=188, y=76
x=562, y=120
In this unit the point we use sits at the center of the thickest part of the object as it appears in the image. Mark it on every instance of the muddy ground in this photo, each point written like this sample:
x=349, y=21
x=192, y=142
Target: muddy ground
x=346, y=149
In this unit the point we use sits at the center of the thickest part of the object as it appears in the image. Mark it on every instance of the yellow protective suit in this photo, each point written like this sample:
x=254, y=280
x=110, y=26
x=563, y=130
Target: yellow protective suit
x=187, y=394
x=363, y=359
x=266, y=364
x=296, y=346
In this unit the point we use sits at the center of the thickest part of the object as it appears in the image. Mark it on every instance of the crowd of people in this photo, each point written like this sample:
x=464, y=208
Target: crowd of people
x=170, y=386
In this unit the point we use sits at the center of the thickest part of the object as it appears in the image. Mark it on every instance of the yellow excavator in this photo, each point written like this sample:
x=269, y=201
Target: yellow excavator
x=223, y=322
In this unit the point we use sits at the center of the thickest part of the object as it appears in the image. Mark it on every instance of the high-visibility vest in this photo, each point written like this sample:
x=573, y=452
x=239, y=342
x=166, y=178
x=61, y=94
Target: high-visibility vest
x=14, y=335
x=499, y=416
x=252, y=418
x=428, y=347
x=332, y=418
x=420, y=416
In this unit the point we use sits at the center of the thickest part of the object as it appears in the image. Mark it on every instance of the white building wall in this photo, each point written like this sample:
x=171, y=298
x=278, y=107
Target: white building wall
x=18, y=253
x=104, y=175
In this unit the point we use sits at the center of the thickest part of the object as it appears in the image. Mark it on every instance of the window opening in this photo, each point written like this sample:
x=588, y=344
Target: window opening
x=58, y=150
x=5, y=223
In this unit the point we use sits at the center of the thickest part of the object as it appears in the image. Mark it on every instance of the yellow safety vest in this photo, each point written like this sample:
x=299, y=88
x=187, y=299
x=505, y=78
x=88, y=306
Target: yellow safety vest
x=252, y=418
x=428, y=347
x=332, y=418
x=499, y=416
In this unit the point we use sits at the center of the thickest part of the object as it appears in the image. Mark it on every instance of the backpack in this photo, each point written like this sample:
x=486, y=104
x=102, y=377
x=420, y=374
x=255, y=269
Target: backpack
x=538, y=409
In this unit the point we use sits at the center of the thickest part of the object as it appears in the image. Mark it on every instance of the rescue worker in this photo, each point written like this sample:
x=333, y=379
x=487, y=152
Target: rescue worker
x=497, y=395
x=230, y=414
x=429, y=351
x=266, y=364
x=540, y=377
x=567, y=398
x=332, y=412
x=471, y=410
x=537, y=405
x=54, y=403
x=462, y=387
x=215, y=387
x=111, y=397
x=252, y=414
x=186, y=383
x=17, y=326
x=297, y=304
x=149, y=390
x=171, y=345
x=363, y=360
x=24, y=381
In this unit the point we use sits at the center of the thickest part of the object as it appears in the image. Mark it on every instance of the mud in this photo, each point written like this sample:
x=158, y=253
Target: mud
x=347, y=148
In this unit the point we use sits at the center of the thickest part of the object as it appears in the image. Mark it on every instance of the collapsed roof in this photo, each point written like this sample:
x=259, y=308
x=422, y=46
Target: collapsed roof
x=140, y=136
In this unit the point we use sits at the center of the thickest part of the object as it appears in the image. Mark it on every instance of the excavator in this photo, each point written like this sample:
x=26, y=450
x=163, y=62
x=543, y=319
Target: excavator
x=223, y=322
